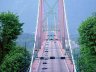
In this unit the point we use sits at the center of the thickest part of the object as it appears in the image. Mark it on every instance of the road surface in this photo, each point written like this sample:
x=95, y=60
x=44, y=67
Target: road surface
x=52, y=48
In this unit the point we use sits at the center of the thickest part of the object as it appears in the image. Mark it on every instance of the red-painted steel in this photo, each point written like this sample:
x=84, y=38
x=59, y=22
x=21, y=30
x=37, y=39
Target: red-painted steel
x=52, y=46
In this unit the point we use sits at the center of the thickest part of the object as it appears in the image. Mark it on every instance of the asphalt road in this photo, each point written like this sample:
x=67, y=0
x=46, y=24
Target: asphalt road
x=52, y=49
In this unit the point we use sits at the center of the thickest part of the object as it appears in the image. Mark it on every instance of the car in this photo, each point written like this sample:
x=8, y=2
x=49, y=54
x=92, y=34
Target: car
x=51, y=39
x=62, y=57
x=44, y=62
x=52, y=57
x=56, y=39
x=46, y=51
x=36, y=49
x=44, y=68
x=41, y=58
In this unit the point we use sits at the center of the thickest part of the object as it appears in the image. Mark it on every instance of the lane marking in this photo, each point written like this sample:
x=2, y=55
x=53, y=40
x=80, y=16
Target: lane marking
x=62, y=54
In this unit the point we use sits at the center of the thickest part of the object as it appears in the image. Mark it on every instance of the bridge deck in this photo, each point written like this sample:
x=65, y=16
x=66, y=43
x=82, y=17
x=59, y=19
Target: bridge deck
x=52, y=49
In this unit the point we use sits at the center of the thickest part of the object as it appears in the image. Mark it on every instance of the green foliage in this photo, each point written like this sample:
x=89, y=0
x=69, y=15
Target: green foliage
x=17, y=60
x=10, y=28
x=12, y=58
x=87, y=42
x=88, y=34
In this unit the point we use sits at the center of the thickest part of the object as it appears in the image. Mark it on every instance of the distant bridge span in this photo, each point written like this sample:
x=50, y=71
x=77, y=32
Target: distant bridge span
x=52, y=49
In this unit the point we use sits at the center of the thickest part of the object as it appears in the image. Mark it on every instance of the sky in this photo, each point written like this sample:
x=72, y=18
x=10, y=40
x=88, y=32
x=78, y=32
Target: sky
x=76, y=10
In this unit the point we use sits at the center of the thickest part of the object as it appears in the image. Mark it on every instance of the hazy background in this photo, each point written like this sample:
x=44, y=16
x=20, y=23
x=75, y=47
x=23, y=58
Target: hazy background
x=77, y=11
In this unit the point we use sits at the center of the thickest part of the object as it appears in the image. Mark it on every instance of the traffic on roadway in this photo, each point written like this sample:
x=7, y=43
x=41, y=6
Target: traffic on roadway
x=52, y=59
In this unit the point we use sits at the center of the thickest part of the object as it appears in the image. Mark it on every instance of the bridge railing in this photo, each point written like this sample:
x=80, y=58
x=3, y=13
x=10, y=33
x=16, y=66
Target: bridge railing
x=68, y=39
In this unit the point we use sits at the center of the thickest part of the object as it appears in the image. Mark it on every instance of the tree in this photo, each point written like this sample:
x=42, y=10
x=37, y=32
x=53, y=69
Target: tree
x=87, y=41
x=88, y=34
x=15, y=61
x=10, y=28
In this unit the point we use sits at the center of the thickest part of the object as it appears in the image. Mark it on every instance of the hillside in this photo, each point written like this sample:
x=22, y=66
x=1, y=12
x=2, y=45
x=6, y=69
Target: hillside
x=26, y=40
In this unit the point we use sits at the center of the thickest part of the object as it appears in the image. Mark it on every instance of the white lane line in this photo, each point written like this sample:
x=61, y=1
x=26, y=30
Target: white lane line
x=64, y=60
x=66, y=66
x=40, y=60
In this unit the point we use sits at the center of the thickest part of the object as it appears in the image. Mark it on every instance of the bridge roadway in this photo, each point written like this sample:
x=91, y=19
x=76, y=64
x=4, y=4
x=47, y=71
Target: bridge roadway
x=50, y=48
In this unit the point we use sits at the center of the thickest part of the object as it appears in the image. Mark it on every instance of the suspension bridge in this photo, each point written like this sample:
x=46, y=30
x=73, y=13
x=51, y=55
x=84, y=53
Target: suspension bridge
x=52, y=48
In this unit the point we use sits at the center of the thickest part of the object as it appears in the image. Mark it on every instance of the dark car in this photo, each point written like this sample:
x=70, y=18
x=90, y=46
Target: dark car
x=52, y=57
x=62, y=57
x=41, y=58
x=51, y=39
x=44, y=68
x=44, y=62
x=46, y=51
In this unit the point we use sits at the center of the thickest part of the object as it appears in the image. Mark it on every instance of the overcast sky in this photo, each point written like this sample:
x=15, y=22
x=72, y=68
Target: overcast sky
x=77, y=11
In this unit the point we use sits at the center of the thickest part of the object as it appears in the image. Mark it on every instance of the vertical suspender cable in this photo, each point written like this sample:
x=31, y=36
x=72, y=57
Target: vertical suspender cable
x=69, y=38
x=35, y=38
